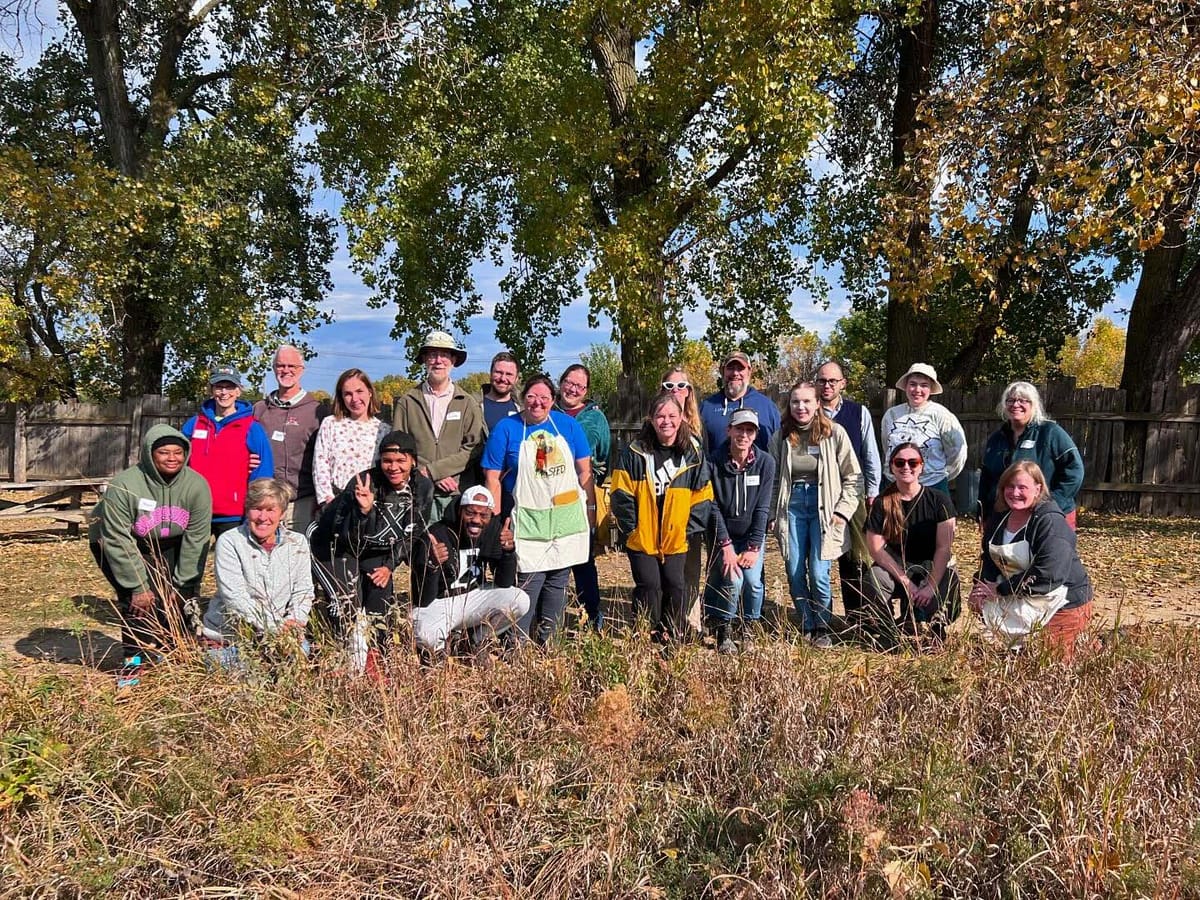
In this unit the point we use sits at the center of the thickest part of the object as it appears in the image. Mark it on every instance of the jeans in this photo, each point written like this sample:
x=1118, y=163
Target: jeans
x=547, y=592
x=721, y=595
x=808, y=574
x=229, y=658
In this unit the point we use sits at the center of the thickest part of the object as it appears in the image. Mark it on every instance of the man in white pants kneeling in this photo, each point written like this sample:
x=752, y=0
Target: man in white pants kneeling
x=450, y=567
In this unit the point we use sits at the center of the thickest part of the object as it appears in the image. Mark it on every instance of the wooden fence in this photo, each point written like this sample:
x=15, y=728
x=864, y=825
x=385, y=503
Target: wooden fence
x=1166, y=480
x=55, y=442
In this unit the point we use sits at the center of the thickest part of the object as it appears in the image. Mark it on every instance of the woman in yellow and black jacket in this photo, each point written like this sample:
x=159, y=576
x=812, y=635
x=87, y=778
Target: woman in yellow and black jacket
x=661, y=494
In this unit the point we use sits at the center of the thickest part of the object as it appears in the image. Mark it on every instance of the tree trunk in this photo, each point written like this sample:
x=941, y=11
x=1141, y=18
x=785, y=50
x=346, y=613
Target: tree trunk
x=961, y=371
x=642, y=328
x=1164, y=321
x=907, y=334
x=143, y=353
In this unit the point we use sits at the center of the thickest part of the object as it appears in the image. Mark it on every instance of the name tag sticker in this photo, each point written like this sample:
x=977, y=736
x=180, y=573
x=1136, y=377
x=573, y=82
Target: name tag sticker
x=454, y=416
x=147, y=505
x=1027, y=445
x=752, y=480
x=814, y=450
x=199, y=434
x=512, y=412
x=277, y=435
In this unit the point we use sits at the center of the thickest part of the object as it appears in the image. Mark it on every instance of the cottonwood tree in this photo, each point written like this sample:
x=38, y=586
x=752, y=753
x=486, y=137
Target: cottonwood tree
x=153, y=201
x=653, y=155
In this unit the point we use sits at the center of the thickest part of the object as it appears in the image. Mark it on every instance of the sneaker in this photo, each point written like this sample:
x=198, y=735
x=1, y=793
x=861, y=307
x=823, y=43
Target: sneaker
x=821, y=641
x=130, y=675
x=727, y=646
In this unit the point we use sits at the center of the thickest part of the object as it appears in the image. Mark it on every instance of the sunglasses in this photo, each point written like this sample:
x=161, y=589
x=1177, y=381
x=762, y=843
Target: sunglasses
x=906, y=462
x=676, y=385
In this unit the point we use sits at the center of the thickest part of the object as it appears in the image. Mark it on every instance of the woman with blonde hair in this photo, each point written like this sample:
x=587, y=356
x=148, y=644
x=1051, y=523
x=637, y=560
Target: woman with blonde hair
x=816, y=495
x=679, y=385
x=1032, y=576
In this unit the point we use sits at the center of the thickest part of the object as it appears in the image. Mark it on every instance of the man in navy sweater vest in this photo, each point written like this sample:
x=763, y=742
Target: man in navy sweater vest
x=856, y=420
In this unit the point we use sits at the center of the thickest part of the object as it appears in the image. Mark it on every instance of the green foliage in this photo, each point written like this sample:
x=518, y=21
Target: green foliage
x=390, y=387
x=474, y=383
x=161, y=224
x=604, y=362
x=859, y=343
x=653, y=156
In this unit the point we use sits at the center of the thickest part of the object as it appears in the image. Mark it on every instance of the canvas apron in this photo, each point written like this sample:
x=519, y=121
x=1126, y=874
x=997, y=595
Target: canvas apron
x=1010, y=620
x=549, y=523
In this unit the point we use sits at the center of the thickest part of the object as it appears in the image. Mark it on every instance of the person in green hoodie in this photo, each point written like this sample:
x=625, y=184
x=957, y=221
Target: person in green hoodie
x=149, y=535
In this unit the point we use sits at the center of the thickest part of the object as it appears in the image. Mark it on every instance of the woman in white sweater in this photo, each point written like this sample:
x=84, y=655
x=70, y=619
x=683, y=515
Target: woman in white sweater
x=928, y=425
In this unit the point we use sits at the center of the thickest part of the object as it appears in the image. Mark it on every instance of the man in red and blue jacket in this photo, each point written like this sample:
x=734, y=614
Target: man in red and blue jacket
x=229, y=448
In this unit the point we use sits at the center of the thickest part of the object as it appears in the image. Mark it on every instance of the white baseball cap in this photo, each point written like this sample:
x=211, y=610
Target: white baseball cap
x=477, y=496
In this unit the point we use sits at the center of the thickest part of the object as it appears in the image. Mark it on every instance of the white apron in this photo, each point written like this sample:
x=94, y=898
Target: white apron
x=550, y=523
x=1010, y=620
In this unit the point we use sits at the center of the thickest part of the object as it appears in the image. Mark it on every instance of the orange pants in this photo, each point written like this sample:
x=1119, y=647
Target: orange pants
x=1062, y=632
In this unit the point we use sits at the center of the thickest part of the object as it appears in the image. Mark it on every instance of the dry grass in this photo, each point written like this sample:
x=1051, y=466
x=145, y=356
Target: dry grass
x=604, y=770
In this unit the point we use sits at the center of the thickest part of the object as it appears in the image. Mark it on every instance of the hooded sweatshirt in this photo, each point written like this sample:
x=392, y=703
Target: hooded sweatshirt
x=221, y=453
x=141, y=510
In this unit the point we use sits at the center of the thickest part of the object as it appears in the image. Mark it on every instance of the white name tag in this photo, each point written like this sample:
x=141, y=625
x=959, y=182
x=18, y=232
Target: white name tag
x=814, y=450
x=752, y=480
x=277, y=435
x=512, y=412
x=454, y=416
x=1027, y=445
x=200, y=434
x=147, y=505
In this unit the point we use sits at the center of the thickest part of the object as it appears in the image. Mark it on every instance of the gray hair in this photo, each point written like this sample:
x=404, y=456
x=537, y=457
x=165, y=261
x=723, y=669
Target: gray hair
x=1025, y=391
x=281, y=348
x=268, y=492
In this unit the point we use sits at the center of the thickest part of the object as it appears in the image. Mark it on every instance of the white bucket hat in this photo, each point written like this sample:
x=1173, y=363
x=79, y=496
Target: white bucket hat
x=925, y=370
x=440, y=340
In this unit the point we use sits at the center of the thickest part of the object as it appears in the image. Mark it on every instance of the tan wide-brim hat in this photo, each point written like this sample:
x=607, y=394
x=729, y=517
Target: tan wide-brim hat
x=925, y=370
x=440, y=340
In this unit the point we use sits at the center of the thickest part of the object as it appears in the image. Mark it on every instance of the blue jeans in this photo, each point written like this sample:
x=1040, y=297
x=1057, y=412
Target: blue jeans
x=808, y=574
x=721, y=594
x=547, y=598
x=230, y=659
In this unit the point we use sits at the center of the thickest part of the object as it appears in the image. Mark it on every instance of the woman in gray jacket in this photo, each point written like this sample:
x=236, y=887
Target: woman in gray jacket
x=264, y=578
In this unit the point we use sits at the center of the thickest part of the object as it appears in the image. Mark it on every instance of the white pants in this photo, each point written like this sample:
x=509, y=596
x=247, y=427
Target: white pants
x=499, y=608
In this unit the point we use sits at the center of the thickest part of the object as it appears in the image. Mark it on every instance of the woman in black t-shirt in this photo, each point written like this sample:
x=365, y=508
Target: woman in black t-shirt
x=910, y=533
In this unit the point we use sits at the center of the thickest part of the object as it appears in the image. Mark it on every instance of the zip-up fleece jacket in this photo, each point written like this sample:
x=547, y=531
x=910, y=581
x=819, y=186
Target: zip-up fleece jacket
x=296, y=424
x=257, y=589
x=599, y=437
x=742, y=498
x=457, y=449
x=432, y=582
x=141, y=510
x=1046, y=444
x=686, y=505
x=221, y=453
x=1055, y=557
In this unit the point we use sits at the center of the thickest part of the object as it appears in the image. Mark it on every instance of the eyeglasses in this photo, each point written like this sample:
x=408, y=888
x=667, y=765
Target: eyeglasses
x=827, y=381
x=906, y=462
x=574, y=385
x=288, y=367
x=1017, y=401
x=676, y=385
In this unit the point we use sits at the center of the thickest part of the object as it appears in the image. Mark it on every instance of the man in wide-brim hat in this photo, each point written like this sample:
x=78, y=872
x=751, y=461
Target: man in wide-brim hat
x=445, y=421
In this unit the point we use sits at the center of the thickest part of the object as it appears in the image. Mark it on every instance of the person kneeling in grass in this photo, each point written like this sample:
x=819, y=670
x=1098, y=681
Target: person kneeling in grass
x=149, y=535
x=264, y=580
x=450, y=565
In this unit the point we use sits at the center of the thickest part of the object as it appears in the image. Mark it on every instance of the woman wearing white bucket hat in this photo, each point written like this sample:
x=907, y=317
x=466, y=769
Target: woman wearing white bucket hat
x=928, y=425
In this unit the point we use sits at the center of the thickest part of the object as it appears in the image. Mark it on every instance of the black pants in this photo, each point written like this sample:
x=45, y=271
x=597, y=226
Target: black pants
x=172, y=614
x=349, y=588
x=660, y=592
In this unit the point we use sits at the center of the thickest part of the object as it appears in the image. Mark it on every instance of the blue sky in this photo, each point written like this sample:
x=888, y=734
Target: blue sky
x=359, y=335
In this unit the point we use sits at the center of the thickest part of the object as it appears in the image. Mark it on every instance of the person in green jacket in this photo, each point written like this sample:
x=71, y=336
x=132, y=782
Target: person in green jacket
x=149, y=535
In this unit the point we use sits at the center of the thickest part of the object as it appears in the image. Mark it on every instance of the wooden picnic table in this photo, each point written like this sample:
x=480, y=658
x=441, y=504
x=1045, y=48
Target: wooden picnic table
x=58, y=500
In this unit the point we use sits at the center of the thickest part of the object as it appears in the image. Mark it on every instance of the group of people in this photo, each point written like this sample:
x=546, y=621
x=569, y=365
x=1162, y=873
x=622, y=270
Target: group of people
x=491, y=504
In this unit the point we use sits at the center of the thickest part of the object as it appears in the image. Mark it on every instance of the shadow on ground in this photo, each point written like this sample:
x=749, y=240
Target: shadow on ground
x=61, y=645
x=99, y=608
